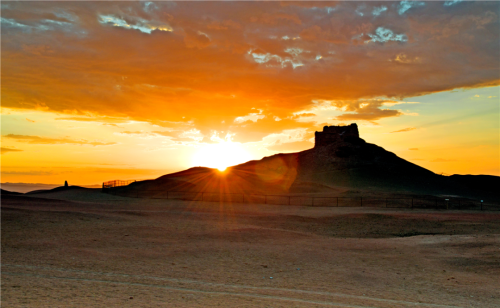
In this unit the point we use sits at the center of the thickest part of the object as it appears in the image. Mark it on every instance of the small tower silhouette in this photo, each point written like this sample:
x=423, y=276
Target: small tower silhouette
x=65, y=183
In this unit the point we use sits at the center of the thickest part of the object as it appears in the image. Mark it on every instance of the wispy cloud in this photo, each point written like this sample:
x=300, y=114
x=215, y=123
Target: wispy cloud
x=7, y=150
x=140, y=24
x=404, y=130
x=405, y=5
x=383, y=35
x=45, y=140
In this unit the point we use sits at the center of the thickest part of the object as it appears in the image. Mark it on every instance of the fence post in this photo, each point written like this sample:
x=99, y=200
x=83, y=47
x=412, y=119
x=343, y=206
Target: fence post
x=436, y=204
x=265, y=199
x=481, y=205
x=386, y=202
x=167, y=194
x=288, y=200
x=312, y=201
x=412, y=203
x=337, y=201
x=361, y=198
x=202, y=196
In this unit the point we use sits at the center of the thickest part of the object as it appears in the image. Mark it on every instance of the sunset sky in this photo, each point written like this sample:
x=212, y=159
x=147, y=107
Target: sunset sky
x=97, y=91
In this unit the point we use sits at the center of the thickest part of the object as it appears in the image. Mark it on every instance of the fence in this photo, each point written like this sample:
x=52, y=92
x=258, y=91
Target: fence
x=410, y=203
x=116, y=183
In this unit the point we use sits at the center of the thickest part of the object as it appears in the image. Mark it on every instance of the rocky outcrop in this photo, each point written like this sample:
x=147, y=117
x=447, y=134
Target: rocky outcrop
x=333, y=134
x=340, y=160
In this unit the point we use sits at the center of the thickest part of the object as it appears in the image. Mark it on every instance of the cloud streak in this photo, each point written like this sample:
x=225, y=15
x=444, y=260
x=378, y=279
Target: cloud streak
x=408, y=129
x=43, y=140
x=7, y=150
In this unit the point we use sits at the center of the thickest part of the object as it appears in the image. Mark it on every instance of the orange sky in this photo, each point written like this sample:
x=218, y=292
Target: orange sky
x=97, y=91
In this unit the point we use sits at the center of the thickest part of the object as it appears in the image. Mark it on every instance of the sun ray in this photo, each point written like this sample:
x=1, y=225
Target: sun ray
x=221, y=155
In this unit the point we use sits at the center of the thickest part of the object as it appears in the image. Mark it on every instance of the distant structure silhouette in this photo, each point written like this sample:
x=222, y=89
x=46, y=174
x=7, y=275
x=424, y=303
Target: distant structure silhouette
x=333, y=134
x=65, y=183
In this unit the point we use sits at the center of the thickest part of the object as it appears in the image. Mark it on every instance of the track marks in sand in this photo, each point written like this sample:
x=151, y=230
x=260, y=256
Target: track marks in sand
x=202, y=287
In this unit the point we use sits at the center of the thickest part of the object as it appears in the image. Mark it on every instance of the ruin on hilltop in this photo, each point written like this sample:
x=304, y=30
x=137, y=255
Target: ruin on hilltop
x=333, y=134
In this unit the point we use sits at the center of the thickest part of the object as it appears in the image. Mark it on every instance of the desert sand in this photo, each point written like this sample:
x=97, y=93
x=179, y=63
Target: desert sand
x=93, y=249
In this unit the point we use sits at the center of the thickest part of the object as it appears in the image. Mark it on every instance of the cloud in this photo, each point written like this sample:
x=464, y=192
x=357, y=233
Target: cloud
x=7, y=150
x=403, y=58
x=404, y=130
x=105, y=119
x=288, y=140
x=274, y=60
x=275, y=19
x=250, y=117
x=32, y=121
x=199, y=73
x=44, y=140
x=184, y=137
x=408, y=4
x=43, y=25
x=141, y=134
x=223, y=25
x=366, y=110
x=383, y=35
x=379, y=10
x=37, y=172
x=149, y=6
x=251, y=131
x=140, y=24
x=196, y=39
x=413, y=149
x=291, y=146
x=452, y=2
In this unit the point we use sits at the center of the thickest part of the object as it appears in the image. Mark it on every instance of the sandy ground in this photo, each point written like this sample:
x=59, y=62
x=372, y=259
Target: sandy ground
x=103, y=250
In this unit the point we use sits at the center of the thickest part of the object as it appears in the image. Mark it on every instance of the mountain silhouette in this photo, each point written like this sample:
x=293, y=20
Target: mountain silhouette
x=340, y=160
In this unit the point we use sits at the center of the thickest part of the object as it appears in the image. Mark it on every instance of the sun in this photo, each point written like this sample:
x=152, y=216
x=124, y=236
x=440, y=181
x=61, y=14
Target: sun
x=221, y=155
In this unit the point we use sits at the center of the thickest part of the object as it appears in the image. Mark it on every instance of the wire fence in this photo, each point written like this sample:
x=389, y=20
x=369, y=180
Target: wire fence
x=427, y=202
x=116, y=183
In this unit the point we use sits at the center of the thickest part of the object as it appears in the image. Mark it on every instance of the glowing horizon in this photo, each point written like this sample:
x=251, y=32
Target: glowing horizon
x=93, y=92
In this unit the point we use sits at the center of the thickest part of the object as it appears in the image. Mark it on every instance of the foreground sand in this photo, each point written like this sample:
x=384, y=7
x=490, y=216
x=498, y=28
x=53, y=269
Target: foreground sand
x=114, y=251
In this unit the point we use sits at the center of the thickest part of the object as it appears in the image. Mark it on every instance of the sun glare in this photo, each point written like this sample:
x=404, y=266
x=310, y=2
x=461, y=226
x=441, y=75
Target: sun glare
x=221, y=155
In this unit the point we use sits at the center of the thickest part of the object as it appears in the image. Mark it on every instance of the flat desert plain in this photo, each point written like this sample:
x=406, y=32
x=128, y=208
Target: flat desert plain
x=96, y=250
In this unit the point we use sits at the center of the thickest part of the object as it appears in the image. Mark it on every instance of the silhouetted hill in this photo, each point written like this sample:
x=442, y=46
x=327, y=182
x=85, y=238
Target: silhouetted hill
x=27, y=187
x=270, y=175
x=6, y=192
x=340, y=161
x=480, y=184
x=57, y=189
